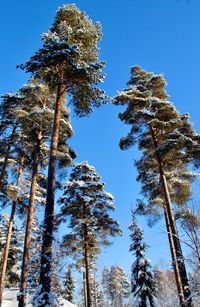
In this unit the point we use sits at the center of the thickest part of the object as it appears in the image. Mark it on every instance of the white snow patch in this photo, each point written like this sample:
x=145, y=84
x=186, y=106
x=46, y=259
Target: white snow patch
x=10, y=299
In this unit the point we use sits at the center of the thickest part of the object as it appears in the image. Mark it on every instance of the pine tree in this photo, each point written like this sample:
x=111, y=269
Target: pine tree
x=68, y=61
x=68, y=292
x=35, y=119
x=119, y=286
x=87, y=206
x=8, y=131
x=142, y=279
x=34, y=126
x=35, y=251
x=16, y=191
x=168, y=144
x=15, y=251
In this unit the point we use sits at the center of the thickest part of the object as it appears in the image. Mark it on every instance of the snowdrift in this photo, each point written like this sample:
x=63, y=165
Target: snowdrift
x=10, y=299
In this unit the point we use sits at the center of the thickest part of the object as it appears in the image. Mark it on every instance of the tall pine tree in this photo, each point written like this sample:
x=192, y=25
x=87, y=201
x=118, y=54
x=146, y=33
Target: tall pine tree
x=35, y=118
x=68, y=61
x=168, y=144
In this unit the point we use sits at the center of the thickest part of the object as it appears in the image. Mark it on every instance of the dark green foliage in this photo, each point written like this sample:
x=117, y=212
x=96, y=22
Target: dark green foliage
x=149, y=110
x=66, y=58
x=86, y=203
x=68, y=292
x=15, y=252
x=143, y=284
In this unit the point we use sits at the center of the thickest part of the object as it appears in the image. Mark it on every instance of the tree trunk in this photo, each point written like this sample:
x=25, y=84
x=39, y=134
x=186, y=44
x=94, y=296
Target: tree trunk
x=176, y=241
x=87, y=267
x=3, y=170
x=26, y=253
x=9, y=233
x=84, y=289
x=174, y=261
x=46, y=255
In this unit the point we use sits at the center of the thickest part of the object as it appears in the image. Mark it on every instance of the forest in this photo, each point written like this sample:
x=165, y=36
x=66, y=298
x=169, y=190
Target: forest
x=57, y=217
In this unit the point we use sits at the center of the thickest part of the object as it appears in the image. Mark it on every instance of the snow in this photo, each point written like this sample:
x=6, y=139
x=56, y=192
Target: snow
x=87, y=199
x=10, y=299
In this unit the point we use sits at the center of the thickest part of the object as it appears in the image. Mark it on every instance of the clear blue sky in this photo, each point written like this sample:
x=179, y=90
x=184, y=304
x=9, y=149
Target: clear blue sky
x=160, y=36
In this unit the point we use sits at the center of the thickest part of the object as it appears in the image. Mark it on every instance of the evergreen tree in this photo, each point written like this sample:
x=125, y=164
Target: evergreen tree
x=168, y=144
x=15, y=192
x=68, y=61
x=68, y=292
x=142, y=279
x=15, y=252
x=119, y=286
x=35, y=251
x=8, y=131
x=86, y=205
x=35, y=119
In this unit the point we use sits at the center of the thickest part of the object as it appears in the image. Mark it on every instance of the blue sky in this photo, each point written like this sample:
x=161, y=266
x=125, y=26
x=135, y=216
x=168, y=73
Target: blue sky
x=160, y=36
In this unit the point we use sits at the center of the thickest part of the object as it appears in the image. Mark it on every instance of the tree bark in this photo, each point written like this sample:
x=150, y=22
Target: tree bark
x=87, y=267
x=177, y=246
x=26, y=253
x=84, y=289
x=9, y=233
x=174, y=261
x=3, y=170
x=46, y=255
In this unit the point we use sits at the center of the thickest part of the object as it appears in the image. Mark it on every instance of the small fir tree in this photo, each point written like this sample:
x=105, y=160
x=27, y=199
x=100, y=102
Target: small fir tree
x=68, y=292
x=86, y=205
x=143, y=284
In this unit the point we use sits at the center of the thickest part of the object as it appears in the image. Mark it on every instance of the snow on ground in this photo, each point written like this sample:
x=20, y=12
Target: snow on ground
x=10, y=299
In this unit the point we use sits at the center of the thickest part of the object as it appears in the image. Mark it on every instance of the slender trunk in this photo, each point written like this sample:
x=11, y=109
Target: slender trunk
x=174, y=261
x=26, y=254
x=175, y=236
x=84, y=290
x=5, y=163
x=87, y=267
x=9, y=233
x=46, y=255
